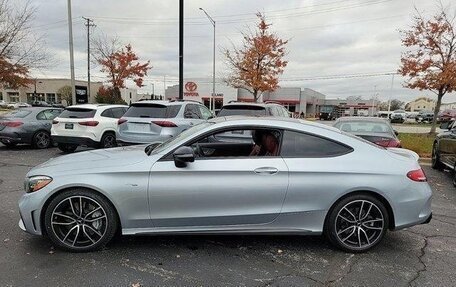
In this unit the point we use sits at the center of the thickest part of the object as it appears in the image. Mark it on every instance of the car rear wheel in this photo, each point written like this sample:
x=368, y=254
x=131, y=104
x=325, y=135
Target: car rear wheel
x=108, y=140
x=67, y=148
x=357, y=223
x=41, y=140
x=435, y=161
x=80, y=221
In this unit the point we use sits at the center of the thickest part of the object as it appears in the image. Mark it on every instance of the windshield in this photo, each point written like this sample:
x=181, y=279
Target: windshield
x=77, y=113
x=143, y=110
x=154, y=148
x=242, y=110
x=364, y=127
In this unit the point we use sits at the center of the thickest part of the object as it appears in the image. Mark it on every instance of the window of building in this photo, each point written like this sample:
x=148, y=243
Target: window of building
x=13, y=97
x=1, y=96
x=30, y=98
x=51, y=98
x=296, y=144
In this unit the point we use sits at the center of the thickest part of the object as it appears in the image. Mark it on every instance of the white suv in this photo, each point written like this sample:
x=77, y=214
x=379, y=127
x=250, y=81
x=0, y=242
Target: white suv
x=87, y=125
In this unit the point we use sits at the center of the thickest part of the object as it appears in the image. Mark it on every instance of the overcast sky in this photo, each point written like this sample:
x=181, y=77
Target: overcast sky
x=328, y=38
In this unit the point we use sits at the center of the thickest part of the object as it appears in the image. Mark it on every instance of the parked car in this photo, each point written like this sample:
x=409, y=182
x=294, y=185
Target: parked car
x=28, y=126
x=424, y=117
x=446, y=116
x=41, y=104
x=311, y=179
x=327, y=113
x=375, y=130
x=158, y=121
x=398, y=116
x=3, y=104
x=254, y=109
x=17, y=105
x=444, y=147
x=87, y=125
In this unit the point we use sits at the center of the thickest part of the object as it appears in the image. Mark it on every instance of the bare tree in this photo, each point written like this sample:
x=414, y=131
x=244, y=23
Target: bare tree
x=20, y=48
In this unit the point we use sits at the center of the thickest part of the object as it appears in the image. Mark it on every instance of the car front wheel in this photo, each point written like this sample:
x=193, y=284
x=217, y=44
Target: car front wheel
x=80, y=221
x=357, y=223
x=41, y=140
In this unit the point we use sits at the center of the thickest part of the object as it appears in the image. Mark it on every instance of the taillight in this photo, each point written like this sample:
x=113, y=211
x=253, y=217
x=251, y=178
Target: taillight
x=14, y=124
x=417, y=175
x=165, y=124
x=121, y=121
x=89, y=123
x=54, y=122
x=388, y=143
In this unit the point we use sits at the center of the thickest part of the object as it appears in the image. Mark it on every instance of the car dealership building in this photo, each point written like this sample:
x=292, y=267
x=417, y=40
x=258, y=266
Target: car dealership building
x=297, y=100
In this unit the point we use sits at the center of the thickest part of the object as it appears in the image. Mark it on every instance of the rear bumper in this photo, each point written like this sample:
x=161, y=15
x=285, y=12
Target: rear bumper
x=125, y=140
x=12, y=137
x=80, y=141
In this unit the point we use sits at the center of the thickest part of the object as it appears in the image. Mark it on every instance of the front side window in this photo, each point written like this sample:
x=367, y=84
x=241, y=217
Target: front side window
x=296, y=144
x=239, y=143
x=47, y=115
x=107, y=113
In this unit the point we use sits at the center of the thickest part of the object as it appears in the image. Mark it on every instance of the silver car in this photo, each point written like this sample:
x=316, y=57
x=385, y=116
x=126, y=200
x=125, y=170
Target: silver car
x=157, y=121
x=309, y=179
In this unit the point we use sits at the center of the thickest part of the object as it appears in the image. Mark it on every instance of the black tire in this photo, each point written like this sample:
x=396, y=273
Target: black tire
x=8, y=144
x=80, y=236
x=108, y=140
x=67, y=148
x=41, y=140
x=435, y=160
x=335, y=223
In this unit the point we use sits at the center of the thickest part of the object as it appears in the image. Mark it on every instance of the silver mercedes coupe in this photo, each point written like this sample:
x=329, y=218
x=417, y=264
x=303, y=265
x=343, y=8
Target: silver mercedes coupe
x=230, y=175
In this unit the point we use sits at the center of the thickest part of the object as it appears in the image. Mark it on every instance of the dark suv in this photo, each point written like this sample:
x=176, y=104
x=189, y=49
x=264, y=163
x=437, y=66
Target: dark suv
x=443, y=149
x=254, y=109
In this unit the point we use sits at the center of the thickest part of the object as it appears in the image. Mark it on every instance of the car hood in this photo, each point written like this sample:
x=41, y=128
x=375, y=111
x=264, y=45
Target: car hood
x=93, y=159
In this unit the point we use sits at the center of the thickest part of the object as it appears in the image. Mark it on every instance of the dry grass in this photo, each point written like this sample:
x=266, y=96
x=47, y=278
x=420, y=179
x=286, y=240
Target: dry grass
x=419, y=143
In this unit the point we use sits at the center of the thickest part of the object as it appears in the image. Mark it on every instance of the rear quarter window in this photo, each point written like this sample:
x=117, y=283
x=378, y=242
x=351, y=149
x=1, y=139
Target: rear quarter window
x=296, y=144
x=77, y=113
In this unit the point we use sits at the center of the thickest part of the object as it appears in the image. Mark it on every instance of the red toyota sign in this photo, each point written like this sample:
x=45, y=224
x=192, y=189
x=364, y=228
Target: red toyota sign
x=190, y=88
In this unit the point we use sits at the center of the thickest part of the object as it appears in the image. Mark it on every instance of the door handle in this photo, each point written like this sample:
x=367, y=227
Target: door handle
x=266, y=170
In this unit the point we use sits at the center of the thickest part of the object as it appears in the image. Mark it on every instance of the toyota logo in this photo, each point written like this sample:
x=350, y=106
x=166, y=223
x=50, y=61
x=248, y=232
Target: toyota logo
x=190, y=86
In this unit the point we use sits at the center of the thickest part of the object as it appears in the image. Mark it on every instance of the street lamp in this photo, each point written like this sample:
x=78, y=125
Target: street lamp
x=211, y=99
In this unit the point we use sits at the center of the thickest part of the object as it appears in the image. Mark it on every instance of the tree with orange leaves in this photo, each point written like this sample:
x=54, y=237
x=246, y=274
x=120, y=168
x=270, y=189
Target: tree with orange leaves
x=257, y=65
x=120, y=64
x=430, y=61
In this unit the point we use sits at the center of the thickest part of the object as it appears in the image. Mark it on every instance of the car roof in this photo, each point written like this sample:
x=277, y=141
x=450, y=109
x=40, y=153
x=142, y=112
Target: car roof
x=251, y=104
x=361, y=119
x=166, y=103
x=274, y=121
x=95, y=106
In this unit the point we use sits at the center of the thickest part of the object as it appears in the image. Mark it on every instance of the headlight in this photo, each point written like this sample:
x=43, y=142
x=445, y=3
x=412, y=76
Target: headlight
x=36, y=183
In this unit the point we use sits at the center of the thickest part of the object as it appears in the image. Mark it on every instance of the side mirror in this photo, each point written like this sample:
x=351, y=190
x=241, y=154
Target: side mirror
x=183, y=155
x=396, y=132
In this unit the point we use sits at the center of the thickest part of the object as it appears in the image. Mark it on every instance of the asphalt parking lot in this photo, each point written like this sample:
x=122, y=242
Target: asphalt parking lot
x=423, y=255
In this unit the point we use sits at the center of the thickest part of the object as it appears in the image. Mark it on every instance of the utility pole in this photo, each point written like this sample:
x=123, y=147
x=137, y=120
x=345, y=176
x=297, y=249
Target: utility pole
x=391, y=94
x=164, y=85
x=70, y=38
x=181, y=49
x=88, y=24
x=211, y=99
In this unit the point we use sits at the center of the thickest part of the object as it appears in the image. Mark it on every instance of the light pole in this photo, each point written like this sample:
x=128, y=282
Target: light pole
x=211, y=100
x=34, y=91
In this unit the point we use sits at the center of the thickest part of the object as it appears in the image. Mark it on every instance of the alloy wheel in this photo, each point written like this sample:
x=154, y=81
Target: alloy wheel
x=42, y=140
x=359, y=224
x=109, y=141
x=79, y=221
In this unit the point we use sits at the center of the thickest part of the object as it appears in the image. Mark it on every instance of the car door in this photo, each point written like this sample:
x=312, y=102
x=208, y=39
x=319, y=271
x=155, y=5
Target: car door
x=214, y=191
x=446, y=142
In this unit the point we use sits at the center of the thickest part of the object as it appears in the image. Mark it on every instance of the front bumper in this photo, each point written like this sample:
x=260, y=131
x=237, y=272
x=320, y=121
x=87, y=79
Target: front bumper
x=80, y=141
